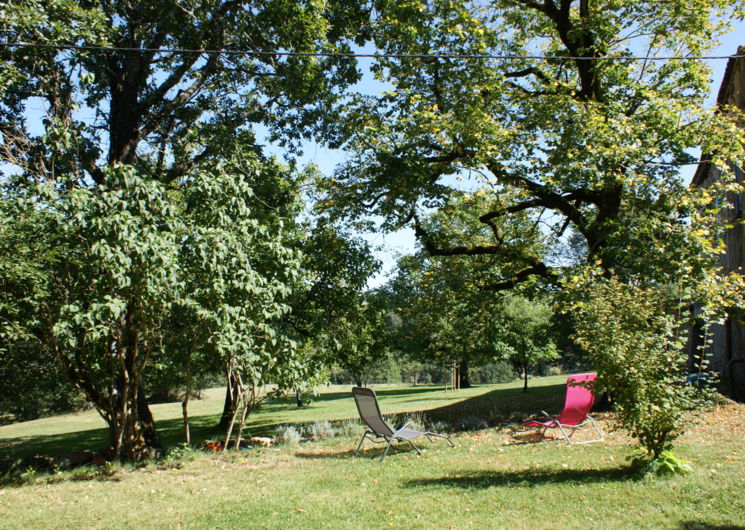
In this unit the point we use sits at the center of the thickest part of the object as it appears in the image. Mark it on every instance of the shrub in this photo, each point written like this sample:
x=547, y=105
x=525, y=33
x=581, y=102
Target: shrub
x=175, y=456
x=441, y=426
x=320, y=430
x=415, y=421
x=629, y=335
x=350, y=429
x=666, y=463
x=286, y=435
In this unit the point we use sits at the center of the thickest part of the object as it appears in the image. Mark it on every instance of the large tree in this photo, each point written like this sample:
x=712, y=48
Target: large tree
x=446, y=308
x=113, y=126
x=561, y=123
x=331, y=315
x=128, y=102
x=524, y=334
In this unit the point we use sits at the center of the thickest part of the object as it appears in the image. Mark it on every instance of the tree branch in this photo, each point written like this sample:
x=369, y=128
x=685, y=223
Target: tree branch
x=537, y=269
x=544, y=198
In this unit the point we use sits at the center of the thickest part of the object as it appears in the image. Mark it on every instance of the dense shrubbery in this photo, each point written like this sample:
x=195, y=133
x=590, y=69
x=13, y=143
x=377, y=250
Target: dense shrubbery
x=38, y=378
x=394, y=370
x=631, y=336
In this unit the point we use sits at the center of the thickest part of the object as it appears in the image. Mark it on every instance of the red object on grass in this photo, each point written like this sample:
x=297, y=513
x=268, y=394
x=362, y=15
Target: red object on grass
x=576, y=412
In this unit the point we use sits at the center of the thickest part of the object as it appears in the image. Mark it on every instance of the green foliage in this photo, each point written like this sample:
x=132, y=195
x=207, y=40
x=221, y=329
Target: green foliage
x=630, y=336
x=33, y=385
x=178, y=455
x=160, y=112
x=441, y=313
x=491, y=373
x=28, y=367
x=163, y=217
x=332, y=316
x=362, y=342
x=152, y=276
x=287, y=435
x=665, y=463
x=446, y=307
x=238, y=269
x=110, y=288
x=589, y=149
x=524, y=334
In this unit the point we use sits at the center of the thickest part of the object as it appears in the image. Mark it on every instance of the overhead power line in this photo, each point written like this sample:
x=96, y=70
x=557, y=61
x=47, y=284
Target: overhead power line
x=351, y=55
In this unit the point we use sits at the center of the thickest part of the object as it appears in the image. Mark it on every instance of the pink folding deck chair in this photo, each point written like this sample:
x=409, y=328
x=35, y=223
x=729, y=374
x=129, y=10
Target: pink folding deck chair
x=577, y=405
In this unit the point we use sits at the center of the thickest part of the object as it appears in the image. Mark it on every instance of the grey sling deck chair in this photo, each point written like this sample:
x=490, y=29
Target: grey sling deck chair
x=378, y=430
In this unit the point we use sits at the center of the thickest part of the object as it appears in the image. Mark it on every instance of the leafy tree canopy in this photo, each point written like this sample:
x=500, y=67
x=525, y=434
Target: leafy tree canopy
x=144, y=171
x=585, y=146
x=160, y=111
x=446, y=305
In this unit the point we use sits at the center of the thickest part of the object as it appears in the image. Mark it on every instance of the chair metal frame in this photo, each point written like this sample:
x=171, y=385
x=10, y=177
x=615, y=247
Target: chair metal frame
x=382, y=432
x=555, y=423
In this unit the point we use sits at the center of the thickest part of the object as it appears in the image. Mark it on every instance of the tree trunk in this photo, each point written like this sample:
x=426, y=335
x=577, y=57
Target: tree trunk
x=298, y=397
x=131, y=425
x=524, y=365
x=231, y=402
x=463, y=372
x=147, y=425
x=185, y=402
x=132, y=432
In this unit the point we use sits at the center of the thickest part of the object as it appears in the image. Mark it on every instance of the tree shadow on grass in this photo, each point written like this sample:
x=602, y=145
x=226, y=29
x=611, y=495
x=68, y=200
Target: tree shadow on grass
x=170, y=433
x=53, y=444
x=370, y=453
x=498, y=406
x=528, y=478
x=393, y=392
x=700, y=525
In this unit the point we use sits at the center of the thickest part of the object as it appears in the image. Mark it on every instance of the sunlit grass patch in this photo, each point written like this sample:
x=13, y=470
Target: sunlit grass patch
x=486, y=481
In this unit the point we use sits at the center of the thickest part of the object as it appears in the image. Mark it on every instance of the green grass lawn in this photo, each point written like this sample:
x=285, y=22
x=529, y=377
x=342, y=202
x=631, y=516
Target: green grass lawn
x=486, y=481
x=85, y=430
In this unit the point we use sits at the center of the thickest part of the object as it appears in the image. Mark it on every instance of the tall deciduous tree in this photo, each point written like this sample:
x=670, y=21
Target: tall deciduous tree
x=524, y=333
x=124, y=125
x=239, y=268
x=565, y=126
x=447, y=309
x=444, y=317
x=331, y=316
x=107, y=292
x=159, y=110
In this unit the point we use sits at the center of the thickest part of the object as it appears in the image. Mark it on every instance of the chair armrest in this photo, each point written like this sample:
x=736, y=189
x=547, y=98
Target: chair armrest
x=403, y=426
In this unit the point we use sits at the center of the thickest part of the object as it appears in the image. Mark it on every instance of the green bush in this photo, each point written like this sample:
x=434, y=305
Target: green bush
x=629, y=334
x=287, y=435
x=490, y=373
x=320, y=430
